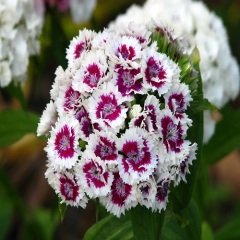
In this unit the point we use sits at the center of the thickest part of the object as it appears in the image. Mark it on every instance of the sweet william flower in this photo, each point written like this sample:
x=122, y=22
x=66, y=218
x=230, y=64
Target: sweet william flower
x=94, y=175
x=192, y=25
x=62, y=148
x=137, y=156
x=119, y=131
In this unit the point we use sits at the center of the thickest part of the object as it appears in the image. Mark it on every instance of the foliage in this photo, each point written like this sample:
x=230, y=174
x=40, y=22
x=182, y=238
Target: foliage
x=194, y=210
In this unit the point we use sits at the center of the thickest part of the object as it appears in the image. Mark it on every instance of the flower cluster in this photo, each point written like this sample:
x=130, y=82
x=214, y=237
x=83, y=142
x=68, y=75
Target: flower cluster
x=20, y=26
x=81, y=10
x=200, y=27
x=117, y=123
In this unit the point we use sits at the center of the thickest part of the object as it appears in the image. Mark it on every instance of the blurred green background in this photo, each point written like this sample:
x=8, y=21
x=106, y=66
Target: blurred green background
x=29, y=208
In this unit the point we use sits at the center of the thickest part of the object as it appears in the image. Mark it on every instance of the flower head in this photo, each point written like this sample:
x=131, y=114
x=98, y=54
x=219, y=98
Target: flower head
x=121, y=127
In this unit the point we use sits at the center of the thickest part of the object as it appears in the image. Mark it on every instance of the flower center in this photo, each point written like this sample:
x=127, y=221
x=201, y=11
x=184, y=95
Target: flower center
x=128, y=79
x=64, y=143
x=172, y=133
x=120, y=188
x=108, y=109
x=134, y=156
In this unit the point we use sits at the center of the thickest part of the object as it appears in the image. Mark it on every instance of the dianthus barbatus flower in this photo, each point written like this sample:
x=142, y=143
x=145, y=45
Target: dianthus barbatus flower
x=120, y=123
x=20, y=27
x=193, y=26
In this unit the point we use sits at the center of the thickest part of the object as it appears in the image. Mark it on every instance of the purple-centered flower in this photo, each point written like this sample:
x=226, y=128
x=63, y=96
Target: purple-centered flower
x=129, y=81
x=103, y=145
x=121, y=196
x=106, y=109
x=94, y=175
x=69, y=189
x=120, y=123
x=159, y=71
x=172, y=132
x=79, y=45
x=137, y=156
x=178, y=99
x=62, y=148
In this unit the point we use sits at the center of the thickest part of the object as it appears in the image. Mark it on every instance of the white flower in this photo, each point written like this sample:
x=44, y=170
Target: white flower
x=47, y=120
x=18, y=38
x=94, y=176
x=137, y=156
x=159, y=71
x=193, y=26
x=92, y=72
x=79, y=45
x=81, y=10
x=105, y=107
x=62, y=148
x=135, y=111
x=121, y=197
x=5, y=73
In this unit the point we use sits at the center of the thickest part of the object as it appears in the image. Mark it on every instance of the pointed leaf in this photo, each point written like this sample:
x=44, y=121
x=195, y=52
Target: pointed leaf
x=14, y=124
x=110, y=228
x=146, y=224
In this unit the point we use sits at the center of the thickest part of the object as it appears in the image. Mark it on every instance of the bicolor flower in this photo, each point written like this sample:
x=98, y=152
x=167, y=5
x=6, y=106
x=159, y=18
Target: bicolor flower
x=122, y=123
x=62, y=148
x=79, y=45
x=94, y=175
x=161, y=197
x=178, y=99
x=158, y=71
x=68, y=100
x=149, y=118
x=146, y=192
x=91, y=73
x=171, y=131
x=128, y=81
x=70, y=190
x=47, y=120
x=137, y=156
x=121, y=197
x=103, y=145
x=125, y=51
x=105, y=107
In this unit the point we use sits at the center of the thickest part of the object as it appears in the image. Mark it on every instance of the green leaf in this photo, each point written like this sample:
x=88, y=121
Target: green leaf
x=184, y=225
x=110, y=228
x=192, y=221
x=146, y=224
x=230, y=231
x=172, y=229
x=14, y=124
x=226, y=137
x=205, y=105
x=6, y=212
x=47, y=221
x=207, y=233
